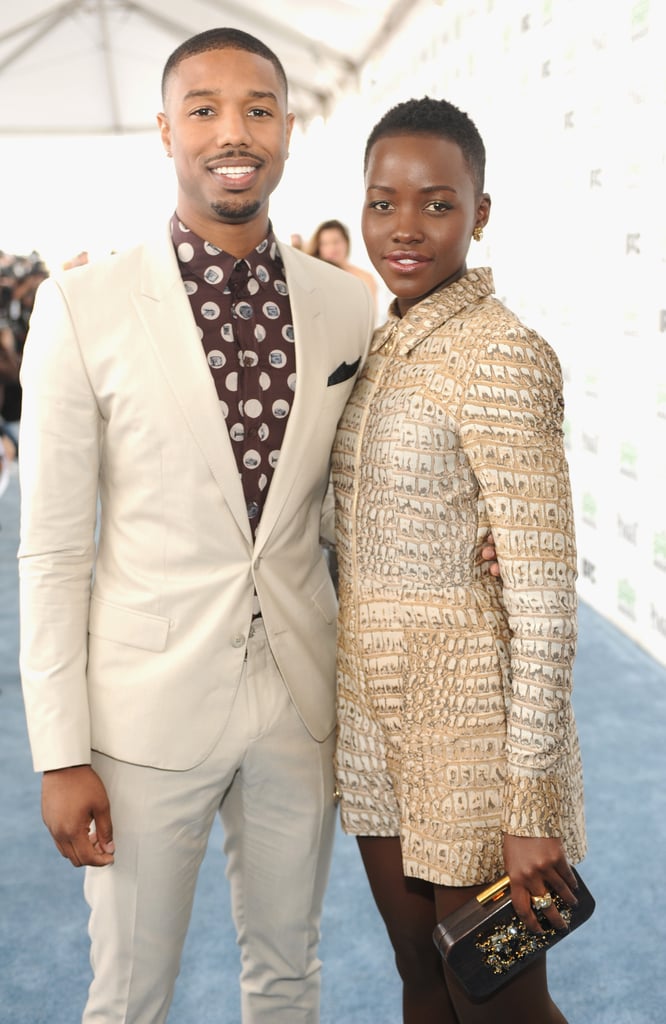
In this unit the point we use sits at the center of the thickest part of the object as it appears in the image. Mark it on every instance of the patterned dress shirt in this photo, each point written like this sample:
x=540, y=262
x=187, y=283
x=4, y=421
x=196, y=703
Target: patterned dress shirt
x=243, y=314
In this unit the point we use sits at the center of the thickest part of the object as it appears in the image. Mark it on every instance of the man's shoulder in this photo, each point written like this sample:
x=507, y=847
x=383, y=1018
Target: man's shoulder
x=315, y=273
x=121, y=268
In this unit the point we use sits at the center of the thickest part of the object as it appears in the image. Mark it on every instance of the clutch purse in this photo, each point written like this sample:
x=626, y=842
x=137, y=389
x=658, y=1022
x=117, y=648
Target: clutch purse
x=485, y=944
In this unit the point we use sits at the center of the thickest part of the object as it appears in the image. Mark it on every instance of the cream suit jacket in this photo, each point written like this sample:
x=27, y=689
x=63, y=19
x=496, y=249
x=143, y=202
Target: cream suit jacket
x=134, y=645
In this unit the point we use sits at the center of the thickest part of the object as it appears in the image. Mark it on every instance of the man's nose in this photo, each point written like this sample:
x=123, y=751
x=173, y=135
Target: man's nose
x=233, y=129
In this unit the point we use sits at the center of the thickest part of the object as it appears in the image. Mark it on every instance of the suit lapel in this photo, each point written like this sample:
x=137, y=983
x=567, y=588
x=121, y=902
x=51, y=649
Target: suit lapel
x=310, y=339
x=164, y=308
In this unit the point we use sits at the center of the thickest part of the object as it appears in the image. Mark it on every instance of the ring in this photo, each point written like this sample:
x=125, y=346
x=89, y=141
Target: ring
x=542, y=902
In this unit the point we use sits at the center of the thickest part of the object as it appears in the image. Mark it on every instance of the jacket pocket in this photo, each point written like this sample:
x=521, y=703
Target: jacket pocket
x=126, y=626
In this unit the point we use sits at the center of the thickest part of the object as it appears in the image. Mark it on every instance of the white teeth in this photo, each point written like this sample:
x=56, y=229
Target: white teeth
x=233, y=172
x=408, y=263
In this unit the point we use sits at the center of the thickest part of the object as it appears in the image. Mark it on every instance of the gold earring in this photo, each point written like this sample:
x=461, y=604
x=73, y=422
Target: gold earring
x=477, y=233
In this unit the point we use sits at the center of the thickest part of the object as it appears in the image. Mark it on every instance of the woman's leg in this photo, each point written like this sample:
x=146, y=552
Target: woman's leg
x=408, y=909
x=525, y=1000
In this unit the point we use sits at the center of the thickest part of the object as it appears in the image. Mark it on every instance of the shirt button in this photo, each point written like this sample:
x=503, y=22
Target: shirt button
x=238, y=641
x=252, y=510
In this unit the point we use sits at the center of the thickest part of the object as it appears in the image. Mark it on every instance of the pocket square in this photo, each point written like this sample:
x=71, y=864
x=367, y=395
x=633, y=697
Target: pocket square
x=343, y=372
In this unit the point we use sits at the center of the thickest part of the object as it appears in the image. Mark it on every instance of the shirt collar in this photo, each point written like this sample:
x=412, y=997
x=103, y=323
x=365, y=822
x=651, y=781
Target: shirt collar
x=431, y=312
x=199, y=258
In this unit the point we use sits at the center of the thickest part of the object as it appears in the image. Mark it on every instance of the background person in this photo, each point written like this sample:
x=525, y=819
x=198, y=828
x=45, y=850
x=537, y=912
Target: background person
x=457, y=754
x=331, y=242
x=20, y=276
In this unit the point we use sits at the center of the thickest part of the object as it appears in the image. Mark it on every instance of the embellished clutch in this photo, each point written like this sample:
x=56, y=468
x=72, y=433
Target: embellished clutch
x=485, y=944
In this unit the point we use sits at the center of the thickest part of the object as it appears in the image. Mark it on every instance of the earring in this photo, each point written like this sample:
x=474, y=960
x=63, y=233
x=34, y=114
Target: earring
x=477, y=233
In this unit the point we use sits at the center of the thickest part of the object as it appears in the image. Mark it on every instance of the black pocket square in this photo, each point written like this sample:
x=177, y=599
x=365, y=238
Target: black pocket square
x=343, y=372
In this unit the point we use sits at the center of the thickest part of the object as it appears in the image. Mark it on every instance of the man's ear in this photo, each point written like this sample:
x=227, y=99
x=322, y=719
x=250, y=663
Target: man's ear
x=165, y=132
x=290, y=127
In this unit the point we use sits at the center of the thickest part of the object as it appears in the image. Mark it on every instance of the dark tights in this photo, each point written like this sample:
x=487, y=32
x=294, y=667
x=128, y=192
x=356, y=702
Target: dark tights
x=410, y=909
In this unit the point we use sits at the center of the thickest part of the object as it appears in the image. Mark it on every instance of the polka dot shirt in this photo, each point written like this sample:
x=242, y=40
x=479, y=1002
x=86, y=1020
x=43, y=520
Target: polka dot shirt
x=243, y=315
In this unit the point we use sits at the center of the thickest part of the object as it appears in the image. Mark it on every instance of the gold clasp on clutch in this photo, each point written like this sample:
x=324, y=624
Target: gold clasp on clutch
x=494, y=891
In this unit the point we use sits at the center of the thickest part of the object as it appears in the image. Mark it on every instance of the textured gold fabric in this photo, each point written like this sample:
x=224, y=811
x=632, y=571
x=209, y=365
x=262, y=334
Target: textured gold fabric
x=455, y=721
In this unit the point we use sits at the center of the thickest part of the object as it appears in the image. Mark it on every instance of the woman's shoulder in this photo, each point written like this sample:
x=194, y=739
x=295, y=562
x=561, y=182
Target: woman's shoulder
x=502, y=332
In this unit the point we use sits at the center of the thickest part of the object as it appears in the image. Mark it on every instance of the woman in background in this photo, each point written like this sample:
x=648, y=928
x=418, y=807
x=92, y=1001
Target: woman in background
x=457, y=756
x=331, y=242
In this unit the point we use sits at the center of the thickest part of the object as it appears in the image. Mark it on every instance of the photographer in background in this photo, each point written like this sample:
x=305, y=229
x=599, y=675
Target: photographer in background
x=20, y=277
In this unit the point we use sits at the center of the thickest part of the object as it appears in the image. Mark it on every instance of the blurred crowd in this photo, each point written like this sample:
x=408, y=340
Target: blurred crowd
x=20, y=277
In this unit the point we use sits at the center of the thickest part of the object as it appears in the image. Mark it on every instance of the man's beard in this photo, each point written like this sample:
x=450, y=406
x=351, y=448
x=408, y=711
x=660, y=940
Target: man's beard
x=238, y=212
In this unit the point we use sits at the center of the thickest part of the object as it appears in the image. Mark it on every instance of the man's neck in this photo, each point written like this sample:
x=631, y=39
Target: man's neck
x=237, y=239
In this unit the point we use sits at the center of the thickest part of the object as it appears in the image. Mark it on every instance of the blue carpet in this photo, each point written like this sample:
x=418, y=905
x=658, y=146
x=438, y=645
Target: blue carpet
x=612, y=971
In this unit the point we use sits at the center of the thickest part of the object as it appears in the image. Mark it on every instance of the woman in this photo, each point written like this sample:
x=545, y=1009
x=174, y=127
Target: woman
x=331, y=242
x=457, y=756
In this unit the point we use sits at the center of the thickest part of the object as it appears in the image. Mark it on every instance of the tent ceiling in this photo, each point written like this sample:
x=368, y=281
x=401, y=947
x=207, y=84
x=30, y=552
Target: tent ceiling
x=94, y=66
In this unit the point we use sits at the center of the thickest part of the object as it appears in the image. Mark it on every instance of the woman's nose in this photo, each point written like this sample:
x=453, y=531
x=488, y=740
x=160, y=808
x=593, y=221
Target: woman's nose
x=407, y=229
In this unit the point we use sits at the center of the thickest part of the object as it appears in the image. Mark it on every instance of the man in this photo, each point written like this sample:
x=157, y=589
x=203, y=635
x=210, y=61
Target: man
x=192, y=388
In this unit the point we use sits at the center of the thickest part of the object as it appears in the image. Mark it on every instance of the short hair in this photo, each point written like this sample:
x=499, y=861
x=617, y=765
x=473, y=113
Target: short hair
x=221, y=39
x=429, y=116
x=328, y=225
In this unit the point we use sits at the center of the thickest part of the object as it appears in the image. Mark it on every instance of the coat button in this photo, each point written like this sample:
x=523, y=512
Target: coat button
x=238, y=641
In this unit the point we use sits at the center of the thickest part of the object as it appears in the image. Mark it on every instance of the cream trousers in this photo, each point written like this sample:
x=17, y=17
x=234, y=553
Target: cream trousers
x=273, y=787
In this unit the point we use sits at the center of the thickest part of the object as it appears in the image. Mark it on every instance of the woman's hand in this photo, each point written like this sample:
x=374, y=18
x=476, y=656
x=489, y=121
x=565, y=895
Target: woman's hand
x=538, y=867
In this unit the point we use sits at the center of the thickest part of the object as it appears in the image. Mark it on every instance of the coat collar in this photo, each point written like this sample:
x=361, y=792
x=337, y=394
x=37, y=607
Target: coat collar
x=430, y=313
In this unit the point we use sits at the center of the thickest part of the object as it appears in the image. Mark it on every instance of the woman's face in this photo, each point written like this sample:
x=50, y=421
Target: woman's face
x=420, y=210
x=333, y=246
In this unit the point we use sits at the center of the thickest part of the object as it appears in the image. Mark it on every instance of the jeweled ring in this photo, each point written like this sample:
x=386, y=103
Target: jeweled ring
x=542, y=902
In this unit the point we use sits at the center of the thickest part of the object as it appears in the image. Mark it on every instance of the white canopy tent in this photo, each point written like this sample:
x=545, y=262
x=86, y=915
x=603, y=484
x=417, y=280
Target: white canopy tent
x=94, y=66
x=82, y=166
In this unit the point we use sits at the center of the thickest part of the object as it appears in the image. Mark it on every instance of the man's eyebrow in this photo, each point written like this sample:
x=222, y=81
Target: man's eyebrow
x=253, y=94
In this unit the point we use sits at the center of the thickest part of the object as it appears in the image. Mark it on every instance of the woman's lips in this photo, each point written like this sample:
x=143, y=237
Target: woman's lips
x=405, y=262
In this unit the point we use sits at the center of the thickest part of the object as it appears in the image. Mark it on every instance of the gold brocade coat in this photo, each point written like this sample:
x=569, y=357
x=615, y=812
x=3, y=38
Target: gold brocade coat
x=455, y=718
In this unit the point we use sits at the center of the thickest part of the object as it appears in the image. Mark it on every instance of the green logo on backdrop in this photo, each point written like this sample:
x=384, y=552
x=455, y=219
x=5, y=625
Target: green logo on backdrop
x=659, y=550
x=640, y=18
x=589, y=509
x=629, y=459
x=626, y=599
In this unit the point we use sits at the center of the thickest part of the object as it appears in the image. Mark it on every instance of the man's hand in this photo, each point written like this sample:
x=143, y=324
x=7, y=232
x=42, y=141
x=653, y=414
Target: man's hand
x=76, y=811
x=488, y=554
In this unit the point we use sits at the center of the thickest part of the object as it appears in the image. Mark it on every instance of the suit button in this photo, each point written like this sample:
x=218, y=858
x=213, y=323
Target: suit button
x=238, y=641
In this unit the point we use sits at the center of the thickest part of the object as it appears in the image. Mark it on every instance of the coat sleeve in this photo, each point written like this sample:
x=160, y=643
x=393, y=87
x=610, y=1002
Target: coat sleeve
x=59, y=465
x=511, y=430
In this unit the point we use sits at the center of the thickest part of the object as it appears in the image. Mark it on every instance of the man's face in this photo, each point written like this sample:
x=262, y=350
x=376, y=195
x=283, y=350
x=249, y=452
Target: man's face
x=227, y=127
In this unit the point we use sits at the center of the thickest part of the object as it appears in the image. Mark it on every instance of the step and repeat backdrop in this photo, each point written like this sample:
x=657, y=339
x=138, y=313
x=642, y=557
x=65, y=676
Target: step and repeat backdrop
x=570, y=97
